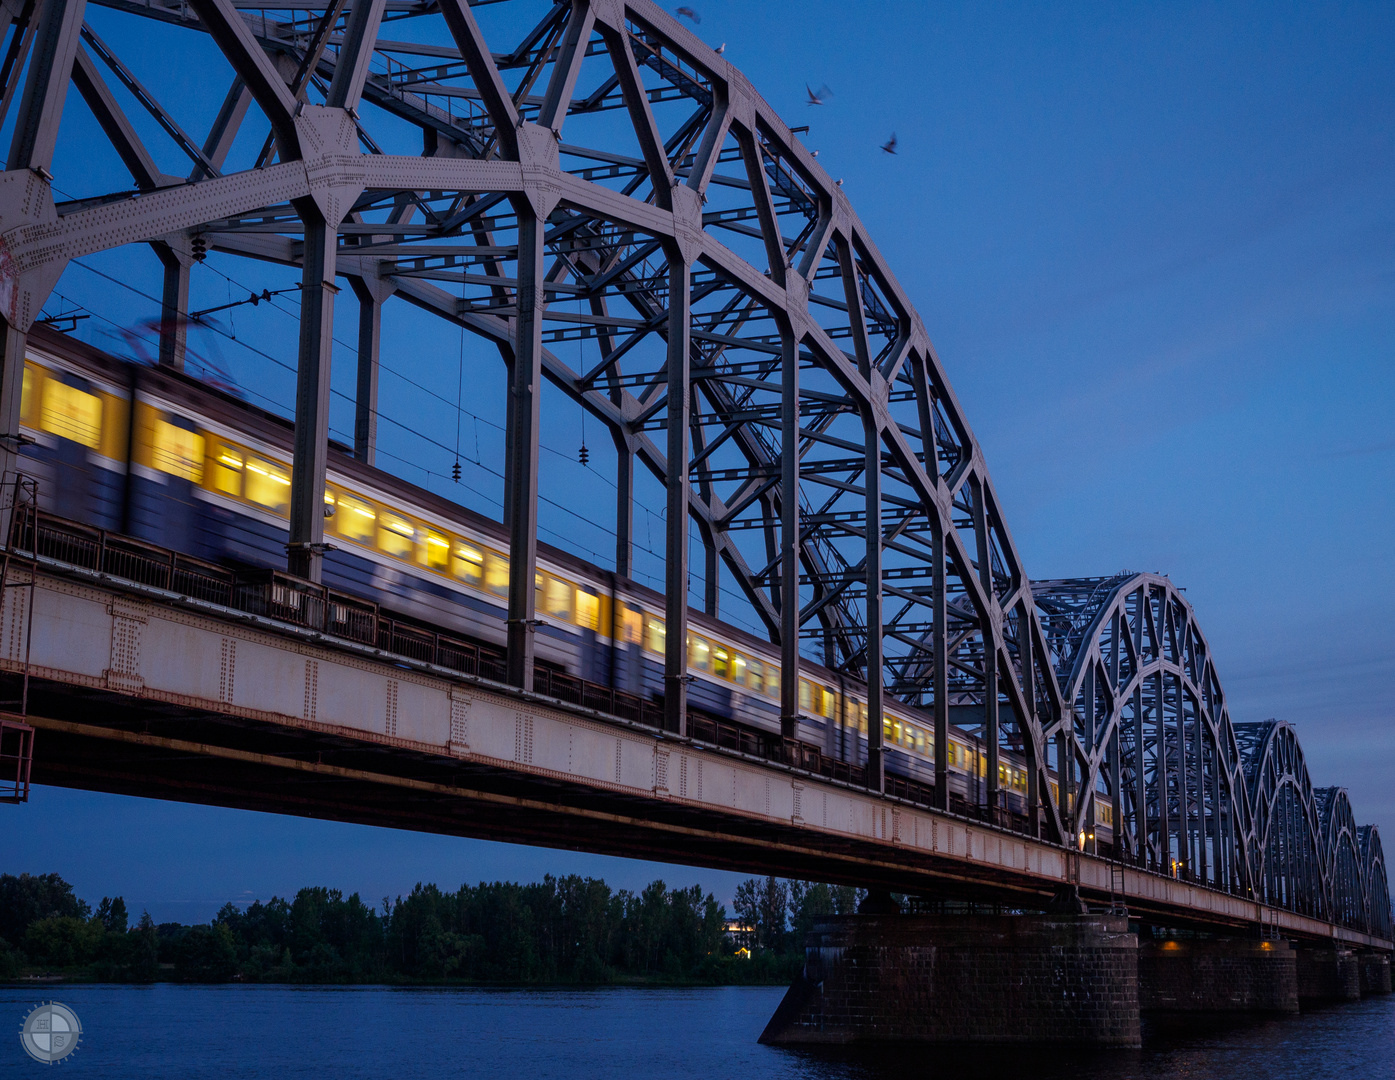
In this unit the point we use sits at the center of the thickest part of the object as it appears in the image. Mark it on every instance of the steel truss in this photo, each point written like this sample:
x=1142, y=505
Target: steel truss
x=608, y=178
x=1190, y=792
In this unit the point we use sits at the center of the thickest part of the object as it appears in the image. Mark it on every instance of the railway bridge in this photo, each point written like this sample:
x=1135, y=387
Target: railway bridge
x=589, y=179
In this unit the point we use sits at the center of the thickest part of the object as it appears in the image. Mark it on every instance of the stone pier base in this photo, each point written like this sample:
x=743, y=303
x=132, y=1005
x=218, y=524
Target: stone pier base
x=1218, y=975
x=1327, y=975
x=1375, y=973
x=1012, y=978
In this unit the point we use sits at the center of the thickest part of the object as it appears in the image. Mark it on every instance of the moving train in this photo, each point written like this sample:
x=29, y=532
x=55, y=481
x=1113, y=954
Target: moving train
x=156, y=454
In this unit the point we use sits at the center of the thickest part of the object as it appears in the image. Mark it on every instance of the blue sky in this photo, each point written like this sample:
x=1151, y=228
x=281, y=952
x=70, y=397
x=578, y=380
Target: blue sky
x=1154, y=246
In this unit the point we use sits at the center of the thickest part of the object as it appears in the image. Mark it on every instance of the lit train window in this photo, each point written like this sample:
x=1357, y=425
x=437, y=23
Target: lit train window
x=755, y=675
x=396, y=535
x=224, y=469
x=654, y=634
x=588, y=610
x=496, y=574
x=71, y=413
x=738, y=669
x=830, y=703
x=559, y=598
x=631, y=625
x=355, y=519
x=806, y=695
x=435, y=550
x=721, y=662
x=699, y=653
x=772, y=681
x=468, y=563
x=267, y=484
x=178, y=451
x=33, y=378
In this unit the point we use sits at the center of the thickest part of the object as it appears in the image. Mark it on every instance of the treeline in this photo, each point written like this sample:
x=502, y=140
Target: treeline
x=569, y=930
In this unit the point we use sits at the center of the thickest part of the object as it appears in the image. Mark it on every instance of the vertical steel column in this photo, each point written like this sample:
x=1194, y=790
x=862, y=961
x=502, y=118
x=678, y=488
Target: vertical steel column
x=1029, y=695
x=940, y=641
x=1065, y=772
x=711, y=575
x=1201, y=808
x=32, y=144
x=872, y=467
x=1161, y=771
x=521, y=453
x=310, y=455
x=990, y=650
x=624, y=506
x=46, y=88
x=174, y=305
x=1184, y=830
x=1218, y=847
x=13, y=342
x=370, y=330
x=676, y=549
x=1116, y=799
x=789, y=536
x=1140, y=778
x=1140, y=781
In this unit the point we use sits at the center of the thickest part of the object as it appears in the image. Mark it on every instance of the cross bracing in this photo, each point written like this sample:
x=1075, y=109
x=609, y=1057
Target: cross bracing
x=601, y=175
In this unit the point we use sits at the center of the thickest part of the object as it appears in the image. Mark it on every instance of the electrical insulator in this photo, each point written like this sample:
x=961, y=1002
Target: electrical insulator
x=455, y=472
x=584, y=454
x=199, y=248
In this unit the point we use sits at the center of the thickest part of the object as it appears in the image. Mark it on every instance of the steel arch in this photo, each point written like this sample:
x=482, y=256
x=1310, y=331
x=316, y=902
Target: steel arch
x=1147, y=732
x=603, y=179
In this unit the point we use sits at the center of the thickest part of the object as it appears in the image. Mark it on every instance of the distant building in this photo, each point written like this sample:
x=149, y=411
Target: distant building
x=742, y=935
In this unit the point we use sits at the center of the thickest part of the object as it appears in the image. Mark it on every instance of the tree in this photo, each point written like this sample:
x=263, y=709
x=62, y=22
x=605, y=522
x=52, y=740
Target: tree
x=112, y=912
x=762, y=905
x=62, y=941
x=809, y=900
x=29, y=897
x=145, y=950
x=206, y=954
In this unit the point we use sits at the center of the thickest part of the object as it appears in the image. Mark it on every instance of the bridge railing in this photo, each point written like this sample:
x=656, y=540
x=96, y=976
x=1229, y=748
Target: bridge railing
x=281, y=596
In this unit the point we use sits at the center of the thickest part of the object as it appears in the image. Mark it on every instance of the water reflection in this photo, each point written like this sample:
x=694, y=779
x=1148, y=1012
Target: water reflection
x=232, y=1032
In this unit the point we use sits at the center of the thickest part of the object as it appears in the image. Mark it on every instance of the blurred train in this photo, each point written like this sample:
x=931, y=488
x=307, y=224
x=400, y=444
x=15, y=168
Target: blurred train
x=156, y=454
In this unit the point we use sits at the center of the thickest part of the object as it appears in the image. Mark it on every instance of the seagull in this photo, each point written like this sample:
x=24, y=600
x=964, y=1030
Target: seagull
x=689, y=13
x=890, y=145
x=721, y=48
x=817, y=99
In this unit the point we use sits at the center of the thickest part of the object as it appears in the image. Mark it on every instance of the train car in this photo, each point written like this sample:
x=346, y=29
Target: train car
x=163, y=457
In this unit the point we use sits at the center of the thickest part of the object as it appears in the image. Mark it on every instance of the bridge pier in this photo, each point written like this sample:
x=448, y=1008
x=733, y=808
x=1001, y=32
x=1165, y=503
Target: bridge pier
x=1013, y=978
x=1375, y=973
x=1327, y=975
x=1211, y=975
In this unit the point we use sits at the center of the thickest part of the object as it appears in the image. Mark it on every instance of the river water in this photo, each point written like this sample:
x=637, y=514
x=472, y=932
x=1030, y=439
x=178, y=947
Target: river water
x=232, y=1032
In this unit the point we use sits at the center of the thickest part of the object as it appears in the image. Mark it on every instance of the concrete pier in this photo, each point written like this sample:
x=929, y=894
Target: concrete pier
x=1375, y=973
x=1013, y=978
x=1218, y=975
x=1327, y=975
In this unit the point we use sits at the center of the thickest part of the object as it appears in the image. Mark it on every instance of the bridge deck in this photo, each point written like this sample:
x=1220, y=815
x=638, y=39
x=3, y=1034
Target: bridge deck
x=141, y=691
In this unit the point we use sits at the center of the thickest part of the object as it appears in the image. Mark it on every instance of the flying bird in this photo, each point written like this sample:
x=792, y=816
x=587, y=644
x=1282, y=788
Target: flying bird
x=689, y=13
x=817, y=98
x=890, y=145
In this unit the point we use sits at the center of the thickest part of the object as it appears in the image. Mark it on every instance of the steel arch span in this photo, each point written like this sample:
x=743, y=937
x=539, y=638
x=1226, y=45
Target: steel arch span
x=588, y=179
x=1148, y=734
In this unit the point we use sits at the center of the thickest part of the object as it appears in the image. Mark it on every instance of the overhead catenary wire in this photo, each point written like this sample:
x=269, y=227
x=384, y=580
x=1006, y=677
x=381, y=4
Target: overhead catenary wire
x=566, y=539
